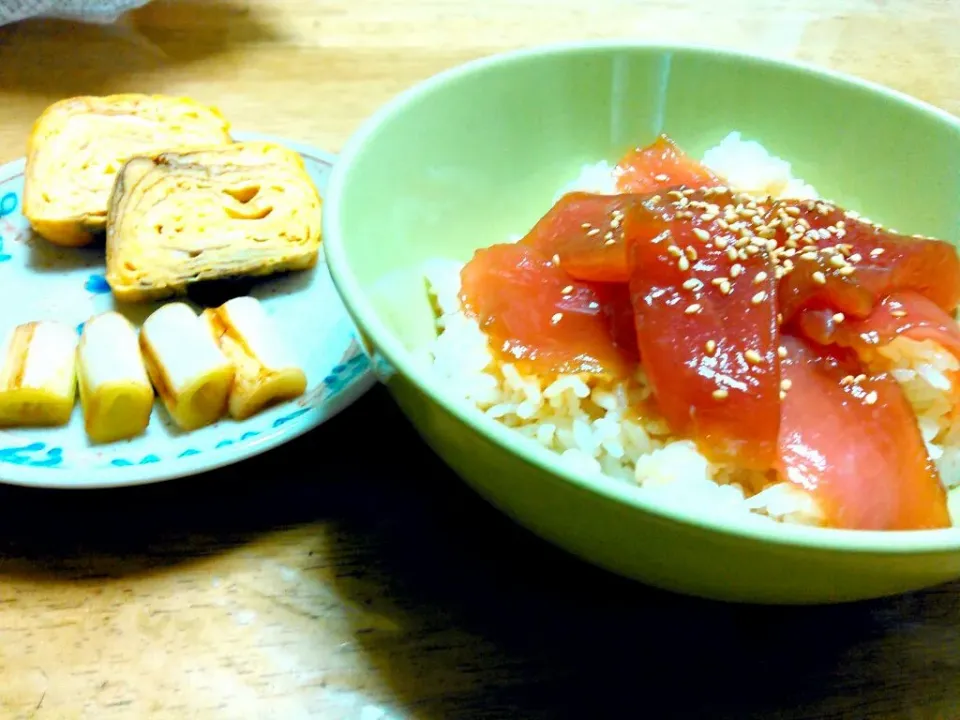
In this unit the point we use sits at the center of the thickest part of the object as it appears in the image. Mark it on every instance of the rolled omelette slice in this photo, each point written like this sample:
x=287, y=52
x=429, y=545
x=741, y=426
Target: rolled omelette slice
x=78, y=146
x=249, y=208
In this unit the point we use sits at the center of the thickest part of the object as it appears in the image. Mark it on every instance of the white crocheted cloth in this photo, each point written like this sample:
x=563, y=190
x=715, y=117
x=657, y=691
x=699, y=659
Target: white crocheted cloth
x=92, y=10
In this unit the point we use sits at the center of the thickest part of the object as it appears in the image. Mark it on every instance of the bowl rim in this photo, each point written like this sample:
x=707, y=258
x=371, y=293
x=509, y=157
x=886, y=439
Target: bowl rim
x=890, y=542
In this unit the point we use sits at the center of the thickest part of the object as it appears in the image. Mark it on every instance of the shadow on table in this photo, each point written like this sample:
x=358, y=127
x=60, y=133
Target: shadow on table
x=158, y=36
x=475, y=617
x=485, y=620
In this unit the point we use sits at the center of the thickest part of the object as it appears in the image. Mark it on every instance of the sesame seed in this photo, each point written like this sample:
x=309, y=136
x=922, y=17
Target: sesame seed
x=707, y=217
x=701, y=234
x=847, y=380
x=856, y=257
x=781, y=352
x=608, y=236
x=692, y=309
x=732, y=254
x=683, y=264
x=585, y=226
x=808, y=256
x=720, y=394
x=839, y=317
x=779, y=272
x=758, y=298
x=838, y=261
x=792, y=211
x=876, y=252
x=557, y=317
x=689, y=191
x=786, y=384
x=710, y=347
x=848, y=270
x=615, y=223
x=722, y=224
x=751, y=250
x=819, y=278
x=736, y=270
x=726, y=288
x=611, y=241
x=753, y=357
x=655, y=199
x=898, y=313
x=783, y=395
x=567, y=290
x=759, y=277
x=661, y=177
x=594, y=231
x=720, y=242
x=675, y=194
x=860, y=378
x=779, y=319
x=691, y=253
x=691, y=284
x=556, y=259
x=675, y=251
x=871, y=397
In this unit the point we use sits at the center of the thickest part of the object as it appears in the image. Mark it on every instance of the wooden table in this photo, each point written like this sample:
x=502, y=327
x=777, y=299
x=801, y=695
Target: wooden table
x=354, y=590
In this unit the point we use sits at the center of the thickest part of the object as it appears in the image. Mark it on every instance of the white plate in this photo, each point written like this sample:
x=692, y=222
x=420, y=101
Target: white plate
x=39, y=281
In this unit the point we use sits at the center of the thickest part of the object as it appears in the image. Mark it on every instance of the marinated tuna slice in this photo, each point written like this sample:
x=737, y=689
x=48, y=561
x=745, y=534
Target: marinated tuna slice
x=659, y=166
x=704, y=295
x=904, y=314
x=539, y=317
x=210, y=214
x=840, y=262
x=852, y=441
x=586, y=232
x=78, y=146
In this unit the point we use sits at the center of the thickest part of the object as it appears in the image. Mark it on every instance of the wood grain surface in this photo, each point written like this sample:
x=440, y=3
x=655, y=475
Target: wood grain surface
x=320, y=582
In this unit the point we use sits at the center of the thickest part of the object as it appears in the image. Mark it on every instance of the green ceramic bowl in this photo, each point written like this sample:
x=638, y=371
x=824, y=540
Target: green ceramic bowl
x=475, y=154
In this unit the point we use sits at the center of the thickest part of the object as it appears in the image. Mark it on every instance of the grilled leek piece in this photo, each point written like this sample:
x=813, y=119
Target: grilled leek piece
x=38, y=375
x=266, y=373
x=115, y=392
x=190, y=373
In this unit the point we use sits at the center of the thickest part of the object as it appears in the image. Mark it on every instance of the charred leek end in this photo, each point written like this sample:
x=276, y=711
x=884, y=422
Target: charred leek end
x=266, y=373
x=78, y=146
x=38, y=375
x=115, y=391
x=211, y=214
x=190, y=373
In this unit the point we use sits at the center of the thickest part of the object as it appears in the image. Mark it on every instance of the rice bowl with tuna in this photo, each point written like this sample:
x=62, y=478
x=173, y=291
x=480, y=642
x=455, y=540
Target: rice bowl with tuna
x=717, y=334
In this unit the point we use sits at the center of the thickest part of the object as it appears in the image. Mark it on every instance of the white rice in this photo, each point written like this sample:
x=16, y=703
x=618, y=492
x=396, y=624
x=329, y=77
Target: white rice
x=593, y=425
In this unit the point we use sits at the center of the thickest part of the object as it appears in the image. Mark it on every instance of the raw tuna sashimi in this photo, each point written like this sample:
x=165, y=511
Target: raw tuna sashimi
x=541, y=318
x=852, y=440
x=705, y=306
